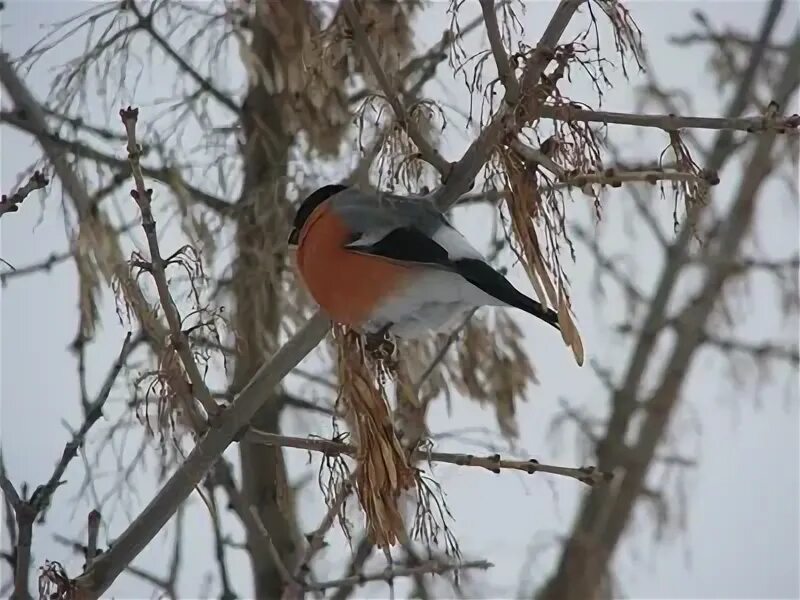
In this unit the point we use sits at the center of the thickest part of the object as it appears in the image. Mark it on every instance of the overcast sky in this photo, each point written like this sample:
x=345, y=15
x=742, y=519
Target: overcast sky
x=741, y=535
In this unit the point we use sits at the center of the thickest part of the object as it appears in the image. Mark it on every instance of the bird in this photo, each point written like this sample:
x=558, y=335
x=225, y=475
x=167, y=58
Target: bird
x=390, y=265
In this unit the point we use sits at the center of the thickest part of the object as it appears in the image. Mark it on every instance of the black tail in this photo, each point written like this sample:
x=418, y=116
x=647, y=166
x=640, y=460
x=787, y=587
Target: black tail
x=481, y=275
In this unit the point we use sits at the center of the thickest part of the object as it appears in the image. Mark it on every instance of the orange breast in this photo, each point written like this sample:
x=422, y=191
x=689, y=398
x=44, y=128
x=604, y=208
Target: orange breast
x=346, y=285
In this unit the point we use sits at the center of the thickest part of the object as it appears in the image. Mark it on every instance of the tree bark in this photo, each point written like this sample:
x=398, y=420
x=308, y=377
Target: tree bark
x=261, y=219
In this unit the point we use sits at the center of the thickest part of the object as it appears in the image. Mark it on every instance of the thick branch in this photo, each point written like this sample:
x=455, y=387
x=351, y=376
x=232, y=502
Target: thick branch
x=179, y=486
x=504, y=122
x=504, y=70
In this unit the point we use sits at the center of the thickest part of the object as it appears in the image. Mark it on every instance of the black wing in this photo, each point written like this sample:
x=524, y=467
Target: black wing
x=407, y=244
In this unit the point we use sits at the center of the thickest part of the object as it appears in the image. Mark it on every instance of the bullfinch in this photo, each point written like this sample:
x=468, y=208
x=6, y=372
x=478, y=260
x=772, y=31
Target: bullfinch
x=387, y=264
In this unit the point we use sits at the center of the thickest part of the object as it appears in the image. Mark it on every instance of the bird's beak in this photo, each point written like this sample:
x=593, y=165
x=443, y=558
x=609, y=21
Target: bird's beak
x=293, y=237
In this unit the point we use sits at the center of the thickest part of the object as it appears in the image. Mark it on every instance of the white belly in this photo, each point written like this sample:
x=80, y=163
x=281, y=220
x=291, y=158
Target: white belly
x=438, y=301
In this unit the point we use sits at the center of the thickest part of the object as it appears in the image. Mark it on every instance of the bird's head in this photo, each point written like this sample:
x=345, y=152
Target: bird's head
x=307, y=207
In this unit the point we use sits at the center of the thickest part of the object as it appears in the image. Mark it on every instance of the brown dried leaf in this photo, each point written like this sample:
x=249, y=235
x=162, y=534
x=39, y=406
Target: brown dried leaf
x=569, y=331
x=382, y=471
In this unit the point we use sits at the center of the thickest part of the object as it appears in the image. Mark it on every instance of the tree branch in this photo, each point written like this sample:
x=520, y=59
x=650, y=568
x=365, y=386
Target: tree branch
x=43, y=494
x=58, y=145
x=587, y=475
x=316, y=541
x=96, y=580
x=146, y=24
x=504, y=70
x=363, y=552
x=11, y=203
x=388, y=575
x=142, y=195
x=503, y=123
x=779, y=124
x=426, y=149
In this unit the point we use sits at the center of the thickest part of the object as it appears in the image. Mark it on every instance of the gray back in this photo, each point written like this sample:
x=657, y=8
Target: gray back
x=373, y=212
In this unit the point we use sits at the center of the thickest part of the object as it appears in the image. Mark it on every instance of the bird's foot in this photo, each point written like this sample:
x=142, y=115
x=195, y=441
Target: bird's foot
x=380, y=346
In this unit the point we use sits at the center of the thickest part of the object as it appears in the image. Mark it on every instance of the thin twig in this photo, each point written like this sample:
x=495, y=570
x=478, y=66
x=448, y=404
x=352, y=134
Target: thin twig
x=535, y=155
x=42, y=495
x=609, y=177
x=588, y=475
x=363, y=552
x=179, y=340
x=59, y=146
x=503, y=122
x=11, y=203
x=442, y=352
x=426, y=149
x=44, y=265
x=779, y=124
x=219, y=543
x=54, y=259
x=276, y=557
x=316, y=541
x=256, y=529
x=146, y=24
x=181, y=484
x=615, y=178
x=432, y=567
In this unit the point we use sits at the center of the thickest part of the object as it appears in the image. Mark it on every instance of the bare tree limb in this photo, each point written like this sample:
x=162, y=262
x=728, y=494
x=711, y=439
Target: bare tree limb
x=388, y=575
x=25, y=514
x=42, y=495
x=463, y=174
x=316, y=541
x=363, y=552
x=494, y=463
x=25, y=121
x=96, y=580
x=426, y=149
x=145, y=23
x=779, y=124
x=158, y=265
x=11, y=203
x=729, y=37
x=504, y=70
x=259, y=524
